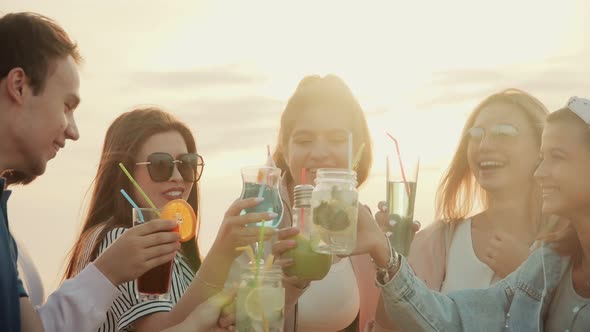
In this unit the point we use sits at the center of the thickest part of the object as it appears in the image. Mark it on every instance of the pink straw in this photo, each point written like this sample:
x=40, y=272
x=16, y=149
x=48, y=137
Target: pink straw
x=401, y=165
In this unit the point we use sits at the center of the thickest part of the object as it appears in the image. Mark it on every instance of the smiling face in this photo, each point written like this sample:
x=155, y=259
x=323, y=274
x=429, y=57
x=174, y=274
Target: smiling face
x=564, y=168
x=318, y=140
x=160, y=193
x=502, y=149
x=46, y=120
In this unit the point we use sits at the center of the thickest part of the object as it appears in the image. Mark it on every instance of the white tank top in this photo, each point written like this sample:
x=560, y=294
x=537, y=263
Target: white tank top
x=464, y=269
x=332, y=303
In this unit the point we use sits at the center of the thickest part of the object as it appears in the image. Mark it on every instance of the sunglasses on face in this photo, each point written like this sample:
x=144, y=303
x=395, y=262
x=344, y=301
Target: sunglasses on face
x=161, y=166
x=497, y=131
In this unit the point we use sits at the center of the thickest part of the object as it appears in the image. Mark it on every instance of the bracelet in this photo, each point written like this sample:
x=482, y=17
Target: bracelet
x=383, y=273
x=207, y=284
x=392, y=258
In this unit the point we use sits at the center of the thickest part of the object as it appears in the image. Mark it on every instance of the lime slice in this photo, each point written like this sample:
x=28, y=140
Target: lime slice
x=265, y=301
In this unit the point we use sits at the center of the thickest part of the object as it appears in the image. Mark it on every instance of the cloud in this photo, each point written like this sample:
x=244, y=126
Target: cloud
x=232, y=123
x=231, y=74
x=552, y=82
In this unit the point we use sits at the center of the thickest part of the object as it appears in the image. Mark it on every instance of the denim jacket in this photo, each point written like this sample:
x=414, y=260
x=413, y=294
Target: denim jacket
x=517, y=303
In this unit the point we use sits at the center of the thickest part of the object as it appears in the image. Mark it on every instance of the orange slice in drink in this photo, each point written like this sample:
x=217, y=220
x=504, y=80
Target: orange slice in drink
x=184, y=214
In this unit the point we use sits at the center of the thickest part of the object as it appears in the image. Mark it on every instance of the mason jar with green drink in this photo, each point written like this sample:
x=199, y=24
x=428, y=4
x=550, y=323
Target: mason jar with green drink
x=334, y=203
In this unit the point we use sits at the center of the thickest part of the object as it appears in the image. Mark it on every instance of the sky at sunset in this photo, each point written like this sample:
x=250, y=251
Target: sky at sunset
x=227, y=69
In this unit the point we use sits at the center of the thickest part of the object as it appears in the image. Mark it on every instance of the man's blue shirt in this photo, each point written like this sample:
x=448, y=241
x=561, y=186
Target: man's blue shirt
x=11, y=287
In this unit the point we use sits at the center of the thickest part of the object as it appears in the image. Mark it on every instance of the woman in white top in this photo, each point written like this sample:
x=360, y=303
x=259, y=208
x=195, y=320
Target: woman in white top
x=172, y=170
x=493, y=169
x=315, y=126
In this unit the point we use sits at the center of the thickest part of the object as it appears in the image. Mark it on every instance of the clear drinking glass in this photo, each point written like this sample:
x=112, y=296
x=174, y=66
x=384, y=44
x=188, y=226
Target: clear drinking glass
x=155, y=283
x=260, y=300
x=401, y=196
x=263, y=181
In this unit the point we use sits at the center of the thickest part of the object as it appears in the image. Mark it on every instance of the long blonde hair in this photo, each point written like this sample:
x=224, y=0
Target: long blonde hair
x=458, y=192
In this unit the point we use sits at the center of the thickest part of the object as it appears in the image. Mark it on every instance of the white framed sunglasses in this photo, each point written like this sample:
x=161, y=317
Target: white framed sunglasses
x=497, y=131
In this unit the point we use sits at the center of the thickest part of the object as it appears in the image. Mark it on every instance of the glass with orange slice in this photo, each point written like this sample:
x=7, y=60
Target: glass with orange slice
x=155, y=283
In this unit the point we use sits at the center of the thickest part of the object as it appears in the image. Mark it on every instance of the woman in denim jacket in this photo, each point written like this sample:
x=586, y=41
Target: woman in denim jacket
x=551, y=290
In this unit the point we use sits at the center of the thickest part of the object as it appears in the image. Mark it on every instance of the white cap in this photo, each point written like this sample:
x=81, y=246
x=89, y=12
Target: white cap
x=581, y=107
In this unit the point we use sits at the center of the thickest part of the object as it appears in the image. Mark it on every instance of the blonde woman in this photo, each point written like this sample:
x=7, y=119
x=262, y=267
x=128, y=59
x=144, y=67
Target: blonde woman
x=493, y=169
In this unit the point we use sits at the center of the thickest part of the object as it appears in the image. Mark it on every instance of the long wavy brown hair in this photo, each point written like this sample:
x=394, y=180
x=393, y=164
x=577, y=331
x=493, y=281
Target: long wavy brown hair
x=333, y=95
x=107, y=206
x=458, y=192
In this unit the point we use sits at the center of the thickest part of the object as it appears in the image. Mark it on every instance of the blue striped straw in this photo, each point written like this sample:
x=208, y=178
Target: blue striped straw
x=133, y=204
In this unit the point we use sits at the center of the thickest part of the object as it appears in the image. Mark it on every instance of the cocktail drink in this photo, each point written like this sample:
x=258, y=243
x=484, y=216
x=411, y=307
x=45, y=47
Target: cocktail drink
x=401, y=196
x=308, y=264
x=263, y=181
x=260, y=304
x=155, y=283
x=334, y=204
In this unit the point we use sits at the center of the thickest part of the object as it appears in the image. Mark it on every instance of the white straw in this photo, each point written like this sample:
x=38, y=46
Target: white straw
x=350, y=150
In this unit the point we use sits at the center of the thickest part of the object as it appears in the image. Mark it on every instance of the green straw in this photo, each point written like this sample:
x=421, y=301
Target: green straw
x=147, y=199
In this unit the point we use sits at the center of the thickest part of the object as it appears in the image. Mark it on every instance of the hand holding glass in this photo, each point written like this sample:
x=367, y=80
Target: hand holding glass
x=155, y=283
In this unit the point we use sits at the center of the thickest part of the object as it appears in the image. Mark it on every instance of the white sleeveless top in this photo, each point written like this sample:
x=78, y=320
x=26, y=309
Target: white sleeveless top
x=464, y=270
x=332, y=303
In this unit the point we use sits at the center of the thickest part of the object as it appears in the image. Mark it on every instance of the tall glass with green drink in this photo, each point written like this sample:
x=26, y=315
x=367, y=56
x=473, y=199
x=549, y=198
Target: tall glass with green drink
x=402, y=179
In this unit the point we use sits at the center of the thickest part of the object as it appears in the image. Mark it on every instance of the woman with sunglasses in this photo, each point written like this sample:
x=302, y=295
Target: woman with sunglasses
x=161, y=154
x=492, y=168
x=551, y=289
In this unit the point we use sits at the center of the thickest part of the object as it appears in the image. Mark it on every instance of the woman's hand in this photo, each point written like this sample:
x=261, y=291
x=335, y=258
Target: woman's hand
x=504, y=254
x=294, y=286
x=284, y=244
x=139, y=250
x=206, y=317
x=371, y=238
x=234, y=233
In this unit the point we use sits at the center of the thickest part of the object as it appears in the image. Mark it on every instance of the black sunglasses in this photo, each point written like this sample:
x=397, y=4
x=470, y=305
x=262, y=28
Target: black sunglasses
x=161, y=166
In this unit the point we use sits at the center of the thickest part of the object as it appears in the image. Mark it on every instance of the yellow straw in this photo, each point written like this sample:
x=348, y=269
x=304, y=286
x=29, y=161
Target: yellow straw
x=249, y=251
x=268, y=263
x=147, y=199
x=265, y=323
x=357, y=157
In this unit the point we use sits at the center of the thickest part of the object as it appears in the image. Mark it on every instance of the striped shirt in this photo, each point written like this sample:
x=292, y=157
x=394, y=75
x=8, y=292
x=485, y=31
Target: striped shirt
x=126, y=309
